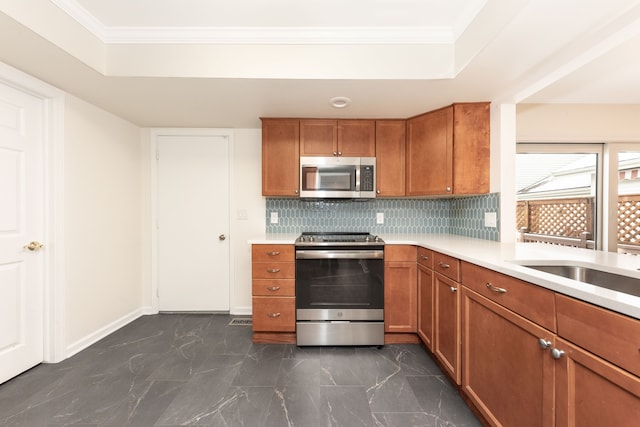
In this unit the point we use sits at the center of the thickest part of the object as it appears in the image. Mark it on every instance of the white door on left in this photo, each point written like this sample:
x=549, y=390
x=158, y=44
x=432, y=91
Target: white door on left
x=21, y=224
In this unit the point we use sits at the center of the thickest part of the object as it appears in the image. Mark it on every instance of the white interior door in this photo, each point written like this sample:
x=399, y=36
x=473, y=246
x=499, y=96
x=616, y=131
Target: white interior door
x=193, y=223
x=21, y=222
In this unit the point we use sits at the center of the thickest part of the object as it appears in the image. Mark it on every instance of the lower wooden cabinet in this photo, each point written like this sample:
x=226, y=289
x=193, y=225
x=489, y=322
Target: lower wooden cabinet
x=446, y=336
x=506, y=373
x=425, y=305
x=274, y=314
x=400, y=289
x=591, y=392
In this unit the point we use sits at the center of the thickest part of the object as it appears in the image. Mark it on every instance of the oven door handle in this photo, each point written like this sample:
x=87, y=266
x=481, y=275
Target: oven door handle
x=346, y=254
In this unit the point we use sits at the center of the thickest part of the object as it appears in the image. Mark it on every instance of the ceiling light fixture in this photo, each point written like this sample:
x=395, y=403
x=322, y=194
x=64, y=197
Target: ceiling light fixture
x=340, y=102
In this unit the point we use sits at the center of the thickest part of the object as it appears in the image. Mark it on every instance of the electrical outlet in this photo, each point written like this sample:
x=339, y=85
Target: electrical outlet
x=274, y=217
x=380, y=218
x=490, y=219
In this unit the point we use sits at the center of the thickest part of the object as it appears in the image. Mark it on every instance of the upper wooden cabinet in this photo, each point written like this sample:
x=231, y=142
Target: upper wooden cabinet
x=280, y=157
x=448, y=151
x=349, y=138
x=390, y=157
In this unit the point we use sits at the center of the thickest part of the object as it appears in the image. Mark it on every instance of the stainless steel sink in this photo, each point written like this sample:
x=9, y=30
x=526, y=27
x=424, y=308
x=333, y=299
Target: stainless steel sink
x=615, y=282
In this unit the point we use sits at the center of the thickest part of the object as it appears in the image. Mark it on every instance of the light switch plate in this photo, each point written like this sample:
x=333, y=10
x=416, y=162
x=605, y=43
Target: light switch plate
x=274, y=217
x=490, y=219
x=380, y=218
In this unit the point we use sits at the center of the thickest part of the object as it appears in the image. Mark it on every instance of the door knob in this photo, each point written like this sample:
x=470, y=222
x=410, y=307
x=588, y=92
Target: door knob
x=33, y=246
x=222, y=237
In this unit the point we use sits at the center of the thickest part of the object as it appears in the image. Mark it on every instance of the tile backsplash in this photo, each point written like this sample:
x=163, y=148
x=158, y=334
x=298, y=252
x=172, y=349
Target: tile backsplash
x=460, y=215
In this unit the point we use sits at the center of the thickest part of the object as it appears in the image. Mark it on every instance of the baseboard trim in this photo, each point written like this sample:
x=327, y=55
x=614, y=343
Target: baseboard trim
x=96, y=336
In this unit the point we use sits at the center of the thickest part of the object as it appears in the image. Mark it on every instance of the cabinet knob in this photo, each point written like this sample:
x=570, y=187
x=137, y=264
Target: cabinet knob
x=335, y=153
x=545, y=344
x=339, y=153
x=454, y=289
x=296, y=191
x=556, y=353
x=377, y=191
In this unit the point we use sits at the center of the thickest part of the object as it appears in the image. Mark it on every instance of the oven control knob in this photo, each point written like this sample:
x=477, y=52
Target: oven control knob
x=378, y=239
x=311, y=238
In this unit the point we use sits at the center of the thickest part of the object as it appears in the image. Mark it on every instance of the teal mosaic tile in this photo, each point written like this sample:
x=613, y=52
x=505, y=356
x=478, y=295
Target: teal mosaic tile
x=463, y=216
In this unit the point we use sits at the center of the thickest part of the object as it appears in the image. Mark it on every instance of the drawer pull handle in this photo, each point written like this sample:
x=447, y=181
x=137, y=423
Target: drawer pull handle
x=444, y=265
x=273, y=253
x=424, y=257
x=496, y=289
x=454, y=289
x=273, y=270
x=273, y=315
x=273, y=288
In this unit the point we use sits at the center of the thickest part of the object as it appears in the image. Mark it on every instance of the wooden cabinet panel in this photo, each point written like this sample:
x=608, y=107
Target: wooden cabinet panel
x=318, y=137
x=447, y=266
x=505, y=373
x=429, y=156
x=274, y=314
x=400, y=289
x=446, y=299
x=425, y=305
x=528, y=300
x=591, y=392
x=471, y=148
x=274, y=287
x=448, y=151
x=357, y=138
x=280, y=157
x=390, y=157
x=268, y=252
x=273, y=270
x=425, y=257
x=399, y=253
x=348, y=138
x=609, y=335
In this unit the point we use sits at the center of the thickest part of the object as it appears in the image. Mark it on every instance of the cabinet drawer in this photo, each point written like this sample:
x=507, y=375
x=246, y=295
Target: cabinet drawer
x=272, y=253
x=530, y=301
x=273, y=270
x=274, y=314
x=399, y=253
x=274, y=287
x=425, y=257
x=610, y=335
x=447, y=266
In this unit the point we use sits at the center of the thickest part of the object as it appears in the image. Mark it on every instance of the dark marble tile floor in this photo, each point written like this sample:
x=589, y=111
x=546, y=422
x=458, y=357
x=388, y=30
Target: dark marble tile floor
x=194, y=369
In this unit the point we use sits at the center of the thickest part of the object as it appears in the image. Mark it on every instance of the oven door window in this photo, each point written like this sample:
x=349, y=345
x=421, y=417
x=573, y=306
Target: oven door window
x=340, y=283
x=327, y=178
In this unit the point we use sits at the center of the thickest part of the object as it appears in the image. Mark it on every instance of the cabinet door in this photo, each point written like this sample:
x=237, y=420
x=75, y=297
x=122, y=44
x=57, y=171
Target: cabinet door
x=430, y=153
x=505, y=372
x=593, y=392
x=390, y=157
x=446, y=325
x=471, y=154
x=318, y=137
x=357, y=138
x=400, y=296
x=280, y=157
x=425, y=305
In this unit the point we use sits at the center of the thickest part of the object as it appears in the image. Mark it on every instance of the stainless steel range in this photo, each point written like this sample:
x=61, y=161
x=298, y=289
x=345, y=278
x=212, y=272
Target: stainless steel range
x=339, y=289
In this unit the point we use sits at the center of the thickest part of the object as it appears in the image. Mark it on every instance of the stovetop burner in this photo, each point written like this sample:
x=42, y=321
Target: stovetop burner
x=338, y=239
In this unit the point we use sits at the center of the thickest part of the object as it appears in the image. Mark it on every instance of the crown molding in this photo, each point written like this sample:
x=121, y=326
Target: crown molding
x=255, y=35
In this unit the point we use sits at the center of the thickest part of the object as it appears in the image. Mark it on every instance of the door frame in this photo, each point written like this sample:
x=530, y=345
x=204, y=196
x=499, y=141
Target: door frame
x=53, y=292
x=155, y=133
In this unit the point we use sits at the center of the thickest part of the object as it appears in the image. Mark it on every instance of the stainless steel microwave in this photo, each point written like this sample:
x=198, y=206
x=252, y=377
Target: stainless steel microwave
x=338, y=177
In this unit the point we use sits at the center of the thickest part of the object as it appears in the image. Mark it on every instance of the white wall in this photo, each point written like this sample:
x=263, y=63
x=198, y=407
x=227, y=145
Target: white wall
x=103, y=222
x=246, y=196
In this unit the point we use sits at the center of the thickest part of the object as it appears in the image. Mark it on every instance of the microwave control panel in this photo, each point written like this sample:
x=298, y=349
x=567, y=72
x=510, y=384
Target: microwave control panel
x=366, y=178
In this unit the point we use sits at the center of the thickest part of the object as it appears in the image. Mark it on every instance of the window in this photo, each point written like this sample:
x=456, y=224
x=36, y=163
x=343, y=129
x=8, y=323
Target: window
x=563, y=197
x=557, y=189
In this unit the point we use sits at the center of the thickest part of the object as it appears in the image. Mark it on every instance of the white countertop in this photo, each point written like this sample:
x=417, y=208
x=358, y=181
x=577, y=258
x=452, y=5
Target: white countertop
x=506, y=257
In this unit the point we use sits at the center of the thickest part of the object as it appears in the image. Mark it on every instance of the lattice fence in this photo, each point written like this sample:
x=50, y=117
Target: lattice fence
x=629, y=220
x=573, y=217
x=556, y=217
